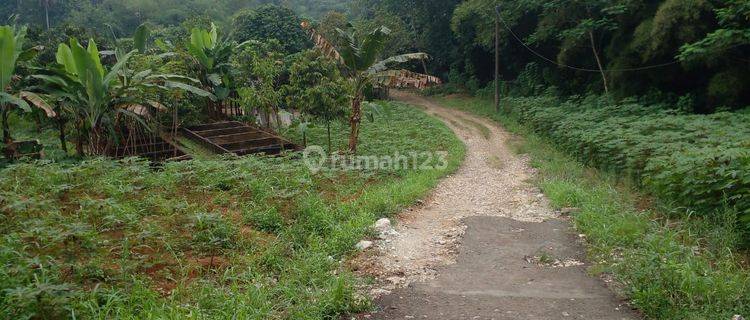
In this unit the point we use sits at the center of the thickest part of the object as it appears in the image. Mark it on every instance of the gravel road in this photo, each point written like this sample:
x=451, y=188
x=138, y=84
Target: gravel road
x=484, y=245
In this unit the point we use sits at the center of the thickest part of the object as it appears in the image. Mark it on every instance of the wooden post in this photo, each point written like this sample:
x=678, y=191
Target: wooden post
x=497, y=62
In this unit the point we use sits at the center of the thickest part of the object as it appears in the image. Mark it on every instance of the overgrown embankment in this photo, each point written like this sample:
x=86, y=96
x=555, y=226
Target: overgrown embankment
x=235, y=238
x=677, y=257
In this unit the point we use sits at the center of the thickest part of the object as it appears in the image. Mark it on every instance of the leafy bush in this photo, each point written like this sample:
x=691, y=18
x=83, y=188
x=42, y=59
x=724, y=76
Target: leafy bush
x=700, y=162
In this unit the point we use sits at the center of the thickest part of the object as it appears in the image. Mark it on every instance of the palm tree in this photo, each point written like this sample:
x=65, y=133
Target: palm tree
x=359, y=59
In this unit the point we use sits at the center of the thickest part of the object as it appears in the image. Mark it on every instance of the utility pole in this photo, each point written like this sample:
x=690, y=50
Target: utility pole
x=497, y=60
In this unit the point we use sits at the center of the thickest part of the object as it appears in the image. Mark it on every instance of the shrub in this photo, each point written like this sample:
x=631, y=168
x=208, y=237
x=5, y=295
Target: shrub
x=700, y=162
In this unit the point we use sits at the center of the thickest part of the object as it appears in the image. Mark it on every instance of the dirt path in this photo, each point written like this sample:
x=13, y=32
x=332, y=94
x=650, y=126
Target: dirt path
x=484, y=245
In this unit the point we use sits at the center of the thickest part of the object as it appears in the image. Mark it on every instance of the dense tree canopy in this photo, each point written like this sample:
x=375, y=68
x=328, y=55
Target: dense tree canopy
x=125, y=15
x=667, y=48
x=270, y=22
x=427, y=24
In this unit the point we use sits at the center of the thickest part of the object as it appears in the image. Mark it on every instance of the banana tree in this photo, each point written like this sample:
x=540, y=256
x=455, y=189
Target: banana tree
x=11, y=52
x=212, y=55
x=100, y=99
x=359, y=58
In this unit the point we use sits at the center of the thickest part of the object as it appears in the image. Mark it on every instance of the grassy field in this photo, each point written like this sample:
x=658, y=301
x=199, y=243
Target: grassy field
x=670, y=266
x=234, y=238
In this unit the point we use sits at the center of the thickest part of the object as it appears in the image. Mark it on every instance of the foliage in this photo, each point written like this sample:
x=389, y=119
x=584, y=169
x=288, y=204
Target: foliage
x=328, y=25
x=400, y=39
x=212, y=54
x=360, y=59
x=213, y=234
x=675, y=23
x=270, y=22
x=636, y=43
x=99, y=98
x=699, y=162
x=12, y=52
x=317, y=88
x=423, y=26
x=118, y=239
x=734, y=19
x=125, y=15
x=261, y=67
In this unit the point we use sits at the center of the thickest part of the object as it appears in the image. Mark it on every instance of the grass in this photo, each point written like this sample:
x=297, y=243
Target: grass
x=669, y=268
x=483, y=130
x=233, y=238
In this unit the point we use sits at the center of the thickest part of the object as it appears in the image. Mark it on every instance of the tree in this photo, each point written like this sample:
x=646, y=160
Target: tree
x=400, y=39
x=425, y=24
x=732, y=34
x=359, y=59
x=317, y=88
x=46, y=4
x=260, y=68
x=270, y=22
x=211, y=54
x=329, y=23
x=11, y=52
x=579, y=24
x=99, y=99
x=731, y=40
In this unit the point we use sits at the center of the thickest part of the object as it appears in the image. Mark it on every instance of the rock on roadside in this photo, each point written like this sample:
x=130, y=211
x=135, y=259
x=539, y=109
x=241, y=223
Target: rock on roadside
x=384, y=228
x=363, y=245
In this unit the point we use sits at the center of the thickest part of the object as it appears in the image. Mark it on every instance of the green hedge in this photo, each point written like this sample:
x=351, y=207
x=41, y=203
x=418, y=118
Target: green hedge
x=700, y=162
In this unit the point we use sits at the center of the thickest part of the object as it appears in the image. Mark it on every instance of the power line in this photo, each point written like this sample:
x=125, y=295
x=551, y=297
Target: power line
x=655, y=66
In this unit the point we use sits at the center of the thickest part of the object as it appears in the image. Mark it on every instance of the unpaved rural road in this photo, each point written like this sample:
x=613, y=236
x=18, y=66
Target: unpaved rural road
x=484, y=245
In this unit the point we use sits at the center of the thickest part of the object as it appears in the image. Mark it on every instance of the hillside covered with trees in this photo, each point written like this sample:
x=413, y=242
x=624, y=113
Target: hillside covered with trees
x=689, y=51
x=125, y=16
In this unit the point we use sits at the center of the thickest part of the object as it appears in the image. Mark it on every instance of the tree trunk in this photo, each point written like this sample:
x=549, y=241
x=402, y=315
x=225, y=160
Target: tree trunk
x=6, y=127
x=278, y=119
x=46, y=13
x=79, y=141
x=497, y=64
x=174, y=126
x=267, y=114
x=61, y=128
x=38, y=121
x=598, y=61
x=278, y=123
x=354, y=121
x=328, y=127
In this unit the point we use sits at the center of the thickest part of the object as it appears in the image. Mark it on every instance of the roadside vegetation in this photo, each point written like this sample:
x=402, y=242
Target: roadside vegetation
x=90, y=232
x=251, y=237
x=645, y=104
x=672, y=259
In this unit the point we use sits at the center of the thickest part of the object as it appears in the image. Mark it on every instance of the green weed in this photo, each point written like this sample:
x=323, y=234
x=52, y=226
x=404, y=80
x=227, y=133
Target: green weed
x=119, y=239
